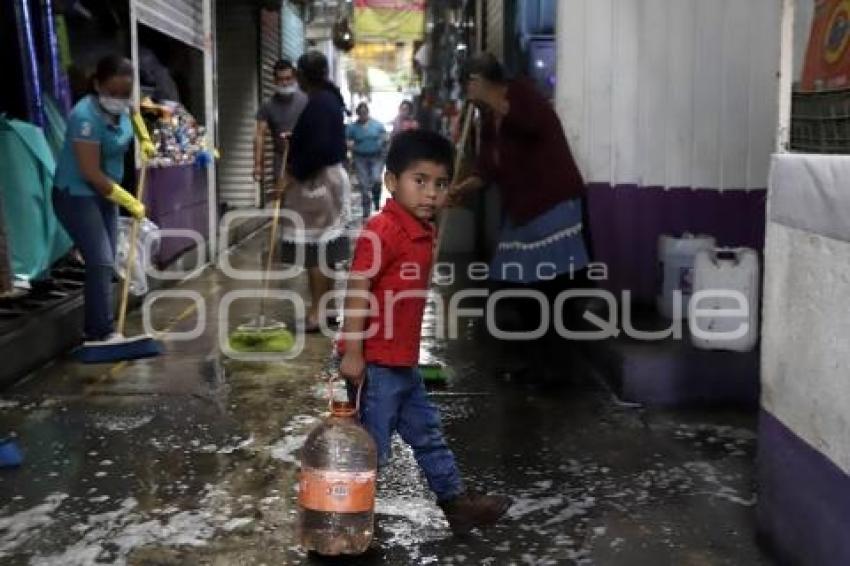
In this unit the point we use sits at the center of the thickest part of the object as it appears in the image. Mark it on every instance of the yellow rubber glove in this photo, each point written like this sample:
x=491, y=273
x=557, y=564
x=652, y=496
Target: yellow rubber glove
x=124, y=199
x=148, y=150
x=145, y=143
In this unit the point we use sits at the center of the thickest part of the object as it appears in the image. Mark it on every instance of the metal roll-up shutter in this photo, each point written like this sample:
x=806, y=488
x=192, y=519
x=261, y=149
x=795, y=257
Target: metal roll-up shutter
x=180, y=19
x=270, y=49
x=292, y=32
x=494, y=20
x=238, y=97
x=270, y=53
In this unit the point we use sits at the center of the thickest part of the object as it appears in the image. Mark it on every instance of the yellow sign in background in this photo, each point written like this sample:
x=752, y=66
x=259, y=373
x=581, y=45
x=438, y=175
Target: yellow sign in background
x=389, y=20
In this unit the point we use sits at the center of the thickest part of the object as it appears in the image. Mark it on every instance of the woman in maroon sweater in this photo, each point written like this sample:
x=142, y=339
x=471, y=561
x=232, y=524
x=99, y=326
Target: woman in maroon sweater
x=525, y=152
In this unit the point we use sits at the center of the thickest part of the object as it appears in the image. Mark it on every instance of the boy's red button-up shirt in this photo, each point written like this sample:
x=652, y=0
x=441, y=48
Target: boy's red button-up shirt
x=395, y=252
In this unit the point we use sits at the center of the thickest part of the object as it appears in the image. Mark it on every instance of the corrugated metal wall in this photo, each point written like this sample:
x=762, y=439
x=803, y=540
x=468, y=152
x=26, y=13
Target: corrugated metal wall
x=270, y=53
x=292, y=32
x=494, y=21
x=182, y=19
x=238, y=96
x=672, y=93
x=270, y=50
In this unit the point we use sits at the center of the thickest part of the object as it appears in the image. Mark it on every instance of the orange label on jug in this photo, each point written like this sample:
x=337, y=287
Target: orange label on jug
x=337, y=492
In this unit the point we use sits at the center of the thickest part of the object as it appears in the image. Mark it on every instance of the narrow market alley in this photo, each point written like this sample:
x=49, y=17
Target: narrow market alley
x=590, y=261
x=191, y=458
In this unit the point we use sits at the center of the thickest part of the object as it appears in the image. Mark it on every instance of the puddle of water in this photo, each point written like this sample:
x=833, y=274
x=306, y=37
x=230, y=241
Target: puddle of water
x=24, y=525
x=286, y=449
x=117, y=423
x=295, y=433
x=715, y=486
x=112, y=536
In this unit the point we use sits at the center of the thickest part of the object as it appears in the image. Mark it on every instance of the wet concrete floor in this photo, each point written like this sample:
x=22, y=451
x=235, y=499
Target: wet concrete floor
x=191, y=458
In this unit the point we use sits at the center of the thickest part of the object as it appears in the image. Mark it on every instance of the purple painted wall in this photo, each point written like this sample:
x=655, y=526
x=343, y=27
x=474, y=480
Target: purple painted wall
x=804, y=499
x=626, y=220
x=176, y=197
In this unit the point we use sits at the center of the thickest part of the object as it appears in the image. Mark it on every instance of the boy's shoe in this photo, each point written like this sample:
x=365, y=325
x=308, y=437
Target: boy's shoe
x=468, y=511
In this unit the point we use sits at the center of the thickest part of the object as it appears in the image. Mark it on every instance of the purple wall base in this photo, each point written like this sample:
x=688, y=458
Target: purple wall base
x=626, y=220
x=677, y=374
x=176, y=198
x=673, y=373
x=804, y=499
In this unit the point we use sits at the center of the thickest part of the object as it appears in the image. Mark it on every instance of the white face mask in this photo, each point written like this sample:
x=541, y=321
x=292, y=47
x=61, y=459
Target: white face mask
x=286, y=90
x=114, y=106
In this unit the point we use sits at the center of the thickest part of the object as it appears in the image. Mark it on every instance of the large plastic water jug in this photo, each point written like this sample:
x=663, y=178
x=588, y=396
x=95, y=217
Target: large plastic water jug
x=727, y=269
x=676, y=270
x=336, y=495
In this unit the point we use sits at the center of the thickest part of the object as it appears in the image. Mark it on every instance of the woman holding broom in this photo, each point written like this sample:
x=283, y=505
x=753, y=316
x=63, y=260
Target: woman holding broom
x=525, y=151
x=88, y=192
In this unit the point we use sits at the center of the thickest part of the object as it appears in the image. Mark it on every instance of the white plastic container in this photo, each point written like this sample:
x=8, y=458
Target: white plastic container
x=676, y=269
x=727, y=269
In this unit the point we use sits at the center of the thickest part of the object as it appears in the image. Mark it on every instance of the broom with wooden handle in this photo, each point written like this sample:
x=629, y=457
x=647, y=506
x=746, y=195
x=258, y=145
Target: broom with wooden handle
x=131, y=255
x=261, y=335
x=120, y=348
x=436, y=373
x=459, y=155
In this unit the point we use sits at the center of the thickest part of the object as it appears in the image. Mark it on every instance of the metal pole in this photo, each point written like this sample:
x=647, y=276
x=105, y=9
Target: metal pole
x=54, y=65
x=786, y=76
x=210, y=105
x=134, y=56
x=29, y=62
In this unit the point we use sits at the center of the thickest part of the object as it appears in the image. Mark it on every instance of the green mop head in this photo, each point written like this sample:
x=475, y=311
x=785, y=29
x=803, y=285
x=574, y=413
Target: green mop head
x=262, y=340
x=435, y=374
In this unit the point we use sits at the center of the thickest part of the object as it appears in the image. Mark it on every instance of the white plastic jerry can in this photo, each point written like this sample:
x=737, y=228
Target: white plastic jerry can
x=676, y=270
x=727, y=281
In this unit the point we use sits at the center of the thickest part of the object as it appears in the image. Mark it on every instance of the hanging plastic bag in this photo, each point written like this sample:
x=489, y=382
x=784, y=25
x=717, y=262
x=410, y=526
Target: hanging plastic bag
x=147, y=246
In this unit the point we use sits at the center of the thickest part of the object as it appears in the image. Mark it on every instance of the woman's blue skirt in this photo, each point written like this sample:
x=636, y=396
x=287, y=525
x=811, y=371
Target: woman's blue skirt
x=550, y=245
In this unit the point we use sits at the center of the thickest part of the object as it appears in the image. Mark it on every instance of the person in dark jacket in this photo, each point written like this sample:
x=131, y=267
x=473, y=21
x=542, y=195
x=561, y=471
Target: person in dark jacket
x=316, y=187
x=524, y=151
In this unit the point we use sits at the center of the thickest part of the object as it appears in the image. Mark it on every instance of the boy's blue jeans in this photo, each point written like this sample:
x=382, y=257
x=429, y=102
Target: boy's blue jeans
x=92, y=223
x=394, y=400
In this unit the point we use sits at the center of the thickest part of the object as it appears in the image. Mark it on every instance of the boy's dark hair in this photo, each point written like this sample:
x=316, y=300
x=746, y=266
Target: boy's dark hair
x=361, y=106
x=419, y=145
x=283, y=65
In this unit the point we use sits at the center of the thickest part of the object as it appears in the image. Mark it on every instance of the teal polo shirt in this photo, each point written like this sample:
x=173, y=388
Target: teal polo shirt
x=368, y=138
x=88, y=122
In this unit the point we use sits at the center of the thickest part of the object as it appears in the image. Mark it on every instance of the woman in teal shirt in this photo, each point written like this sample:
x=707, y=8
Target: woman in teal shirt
x=367, y=138
x=87, y=189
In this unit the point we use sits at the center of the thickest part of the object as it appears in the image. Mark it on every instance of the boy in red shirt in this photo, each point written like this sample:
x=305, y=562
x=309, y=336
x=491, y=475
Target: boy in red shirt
x=391, y=269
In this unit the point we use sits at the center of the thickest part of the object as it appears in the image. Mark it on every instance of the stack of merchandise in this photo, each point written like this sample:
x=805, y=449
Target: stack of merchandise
x=178, y=137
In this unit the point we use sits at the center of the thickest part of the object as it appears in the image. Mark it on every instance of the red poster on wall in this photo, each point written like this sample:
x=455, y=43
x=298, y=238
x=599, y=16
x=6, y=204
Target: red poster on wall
x=827, y=65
